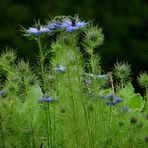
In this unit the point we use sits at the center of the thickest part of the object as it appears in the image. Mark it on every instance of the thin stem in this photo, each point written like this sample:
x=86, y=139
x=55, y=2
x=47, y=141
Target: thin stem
x=32, y=129
x=86, y=114
x=146, y=91
x=1, y=129
x=73, y=103
x=112, y=83
x=47, y=124
x=50, y=125
x=74, y=108
x=92, y=62
x=41, y=54
x=113, y=91
x=41, y=62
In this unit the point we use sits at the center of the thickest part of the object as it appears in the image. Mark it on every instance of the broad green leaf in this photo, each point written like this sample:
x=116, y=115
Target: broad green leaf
x=31, y=105
x=34, y=93
x=128, y=90
x=135, y=102
x=126, y=93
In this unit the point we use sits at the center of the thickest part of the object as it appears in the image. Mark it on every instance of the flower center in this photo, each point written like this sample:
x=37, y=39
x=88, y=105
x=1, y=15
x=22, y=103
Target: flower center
x=38, y=27
x=73, y=22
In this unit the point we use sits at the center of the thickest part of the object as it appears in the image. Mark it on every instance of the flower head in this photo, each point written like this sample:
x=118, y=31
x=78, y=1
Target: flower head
x=116, y=100
x=143, y=79
x=54, y=26
x=72, y=24
x=2, y=92
x=126, y=108
x=37, y=30
x=48, y=99
x=102, y=96
x=60, y=69
x=113, y=100
x=108, y=103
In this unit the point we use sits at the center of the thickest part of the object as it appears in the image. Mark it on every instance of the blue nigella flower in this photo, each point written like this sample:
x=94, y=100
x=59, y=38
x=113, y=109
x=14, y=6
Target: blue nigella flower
x=60, y=69
x=116, y=100
x=108, y=103
x=126, y=108
x=111, y=96
x=2, y=92
x=54, y=26
x=46, y=99
x=37, y=31
x=113, y=100
x=102, y=96
x=72, y=25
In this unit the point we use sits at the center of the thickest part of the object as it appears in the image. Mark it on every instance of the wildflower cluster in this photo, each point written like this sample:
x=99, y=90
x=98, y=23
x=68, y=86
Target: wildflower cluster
x=46, y=99
x=112, y=99
x=59, y=69
x=66, y=94
x=69, y=24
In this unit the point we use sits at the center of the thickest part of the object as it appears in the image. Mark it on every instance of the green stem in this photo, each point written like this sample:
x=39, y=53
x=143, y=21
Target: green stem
x=74, y=109
x=32, y=129
x=2, y=134
x=41, y=62
x=92, y=62
x=146, y=91
x=47, y=124
x=86, y=114
x=50, y=125
x=72, y=103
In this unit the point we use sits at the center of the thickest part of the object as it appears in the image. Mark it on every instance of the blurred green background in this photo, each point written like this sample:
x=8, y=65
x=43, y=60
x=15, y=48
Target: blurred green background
x=124, y=24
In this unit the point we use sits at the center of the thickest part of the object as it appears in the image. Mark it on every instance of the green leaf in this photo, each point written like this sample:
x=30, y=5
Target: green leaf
x=34, y=94
x=135, y=102
x=31, y=106
x=128, y=90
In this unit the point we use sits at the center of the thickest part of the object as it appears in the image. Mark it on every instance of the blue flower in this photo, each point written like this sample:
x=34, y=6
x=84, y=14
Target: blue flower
x=37, y=31
x=111, y=96
x=102, y=96
x=2, y=93
x=54, y=26
x=126, y=108
x=60, y=69
x=72, y=25
x=116, y=100
x=108, y=103
x=113, y=100
x=48, y=99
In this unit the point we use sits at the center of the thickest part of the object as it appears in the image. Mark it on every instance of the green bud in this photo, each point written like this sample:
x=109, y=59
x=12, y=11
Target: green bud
x=143, y=79
x=122, y=71
x=9, y=56
x=93, y=38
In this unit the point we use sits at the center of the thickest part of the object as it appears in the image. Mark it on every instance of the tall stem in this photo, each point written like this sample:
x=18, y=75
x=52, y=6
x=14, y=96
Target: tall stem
x=113, y=91
x=146, y=91
x=47, y=123
x=73, y=107
x=41, y=61
x=86, y=115
x=2, y=134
